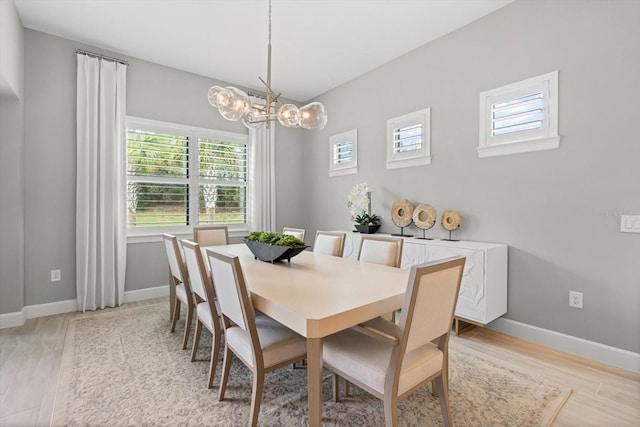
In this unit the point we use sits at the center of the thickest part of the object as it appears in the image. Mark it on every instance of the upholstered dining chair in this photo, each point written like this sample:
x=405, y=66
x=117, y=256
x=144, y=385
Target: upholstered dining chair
x=211, y=235
x=260, y=342
x=207, y=314
x=329, y=243
x=295, y=232
x=391, y=361
x=381, y=250
x=179, y=280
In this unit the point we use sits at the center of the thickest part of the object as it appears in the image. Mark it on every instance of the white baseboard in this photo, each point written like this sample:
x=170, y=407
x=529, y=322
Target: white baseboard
x=613, y=356
x=9, y=320
x=18, y=318
x=148, y=293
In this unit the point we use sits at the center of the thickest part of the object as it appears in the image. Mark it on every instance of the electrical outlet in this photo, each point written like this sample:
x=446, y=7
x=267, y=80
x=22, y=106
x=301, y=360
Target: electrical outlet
x=55, y=275
x=575, y=299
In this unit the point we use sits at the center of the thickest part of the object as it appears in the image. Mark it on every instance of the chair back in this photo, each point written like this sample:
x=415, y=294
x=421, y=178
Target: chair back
x=198, y=277
x=329, y=243
x=430, y=301
x=176, y=260
x=381, y=250
x=231, y=290
x=213, y=235
x=295, y=232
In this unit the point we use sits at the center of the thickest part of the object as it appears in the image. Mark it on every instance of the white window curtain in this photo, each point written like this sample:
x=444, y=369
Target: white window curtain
x=262, y=203
x=100, y=188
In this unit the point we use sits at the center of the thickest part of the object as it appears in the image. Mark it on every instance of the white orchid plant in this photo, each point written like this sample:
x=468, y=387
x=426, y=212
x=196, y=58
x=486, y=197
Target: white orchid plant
x=359, y=204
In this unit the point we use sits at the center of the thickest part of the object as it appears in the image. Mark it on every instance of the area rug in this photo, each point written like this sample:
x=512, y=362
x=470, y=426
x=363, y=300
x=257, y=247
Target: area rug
x=124, y=368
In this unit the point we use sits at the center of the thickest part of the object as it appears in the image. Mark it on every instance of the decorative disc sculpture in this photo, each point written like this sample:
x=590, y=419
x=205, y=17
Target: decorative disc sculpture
x=424, y=217
x=402, y=215
x=451, y=221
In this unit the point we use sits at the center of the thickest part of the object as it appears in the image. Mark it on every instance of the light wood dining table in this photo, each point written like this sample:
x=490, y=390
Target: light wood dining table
x=317, y=295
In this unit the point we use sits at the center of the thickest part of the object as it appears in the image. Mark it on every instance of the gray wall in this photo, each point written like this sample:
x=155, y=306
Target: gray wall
x=154, y=92
x=558, y=209
x=11, y=159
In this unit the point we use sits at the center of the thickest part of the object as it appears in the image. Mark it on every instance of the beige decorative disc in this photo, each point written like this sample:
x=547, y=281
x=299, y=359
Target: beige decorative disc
x=402, y=213
x=424, y=216
x=451, y=220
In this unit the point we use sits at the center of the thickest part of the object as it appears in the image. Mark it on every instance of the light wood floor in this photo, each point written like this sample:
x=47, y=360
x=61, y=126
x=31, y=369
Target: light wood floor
x=30, y=358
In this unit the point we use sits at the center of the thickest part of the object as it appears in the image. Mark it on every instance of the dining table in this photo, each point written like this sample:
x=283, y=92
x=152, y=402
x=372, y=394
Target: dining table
x=317, y=295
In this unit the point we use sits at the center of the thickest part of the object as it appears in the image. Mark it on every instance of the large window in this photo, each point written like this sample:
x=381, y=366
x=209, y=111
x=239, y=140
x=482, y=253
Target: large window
x=179, y=177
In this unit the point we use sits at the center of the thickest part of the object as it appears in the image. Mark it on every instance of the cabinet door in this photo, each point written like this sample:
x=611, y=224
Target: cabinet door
x=471, y=300
x=413, y=254
x=351, y=246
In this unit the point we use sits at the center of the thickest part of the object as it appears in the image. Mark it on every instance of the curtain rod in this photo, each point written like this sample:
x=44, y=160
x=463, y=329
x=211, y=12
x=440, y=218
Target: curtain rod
x=97, y=55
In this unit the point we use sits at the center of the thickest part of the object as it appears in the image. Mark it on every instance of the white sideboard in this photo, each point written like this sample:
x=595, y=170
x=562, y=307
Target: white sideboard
x=483, y=291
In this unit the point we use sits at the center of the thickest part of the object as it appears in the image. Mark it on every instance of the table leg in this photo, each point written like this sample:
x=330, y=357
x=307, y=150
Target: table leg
x=314, y=380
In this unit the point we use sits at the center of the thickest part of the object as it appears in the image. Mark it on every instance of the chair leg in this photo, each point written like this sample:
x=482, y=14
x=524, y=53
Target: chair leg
x=256, y=397
x=347, y=388
x=390, y=411
x=443, y=387
x=215, y=349
x=336, y=387
x=176, y=315
x=187, y=326
x=196, y=340
x=226, y=367
x=434, y=388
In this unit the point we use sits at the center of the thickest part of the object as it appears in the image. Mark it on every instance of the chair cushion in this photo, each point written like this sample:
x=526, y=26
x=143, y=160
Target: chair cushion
x=205, y=315
x=181, y=293
x=379, y=252
x=329, y=245
x=278, y=342
x=366, y=360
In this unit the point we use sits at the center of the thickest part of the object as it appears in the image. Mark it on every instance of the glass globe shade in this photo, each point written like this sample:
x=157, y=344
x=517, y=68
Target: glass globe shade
x=313, y=116
x=238, y=107
x=254, y=119
x=219, y=96
x=289, y=116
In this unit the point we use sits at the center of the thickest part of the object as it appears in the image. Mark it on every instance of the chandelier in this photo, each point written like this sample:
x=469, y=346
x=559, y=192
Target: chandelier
x=234, y=104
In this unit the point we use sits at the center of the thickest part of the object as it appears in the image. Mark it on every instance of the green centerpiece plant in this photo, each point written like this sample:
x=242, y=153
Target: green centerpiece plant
x=273, y=247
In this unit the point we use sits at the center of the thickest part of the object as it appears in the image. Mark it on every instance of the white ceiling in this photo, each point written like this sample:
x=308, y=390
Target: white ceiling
x=317, y=44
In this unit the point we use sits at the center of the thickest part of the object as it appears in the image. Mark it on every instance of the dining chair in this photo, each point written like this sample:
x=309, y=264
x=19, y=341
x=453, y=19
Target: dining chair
x=381, y=250
x=179, y=280
x=211, y=235
x=260, y=342
x=329, y=243
x=207, y=314
x=391, y=361
x=296, y=232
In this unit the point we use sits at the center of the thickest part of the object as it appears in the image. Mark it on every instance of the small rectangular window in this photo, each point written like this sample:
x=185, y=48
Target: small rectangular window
x=409, y=140
x=520, y=117
x=343, y=153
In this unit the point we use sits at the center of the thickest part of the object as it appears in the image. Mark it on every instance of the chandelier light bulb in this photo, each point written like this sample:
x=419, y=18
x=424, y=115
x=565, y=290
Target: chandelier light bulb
x=289, y=116
x=313, y=116
x=254, y=119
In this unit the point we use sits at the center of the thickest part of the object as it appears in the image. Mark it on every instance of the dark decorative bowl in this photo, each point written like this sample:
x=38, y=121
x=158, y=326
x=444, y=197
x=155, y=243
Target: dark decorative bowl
x=273, y=253
x=367, y=229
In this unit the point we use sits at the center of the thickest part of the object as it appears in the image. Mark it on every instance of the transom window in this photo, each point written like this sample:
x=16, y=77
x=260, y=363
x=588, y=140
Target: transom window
x=520, y=117
x=179, y=177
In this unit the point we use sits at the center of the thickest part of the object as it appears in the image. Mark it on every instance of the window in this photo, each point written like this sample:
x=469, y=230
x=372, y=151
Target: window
x=179, y=177
x=343, y=153
x=520, y=117
x=409, y=140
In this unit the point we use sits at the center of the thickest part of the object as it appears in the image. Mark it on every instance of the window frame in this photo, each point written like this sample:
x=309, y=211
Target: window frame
x=418, y=157
x=194, y=133
x=544, y=138
x=346, y=168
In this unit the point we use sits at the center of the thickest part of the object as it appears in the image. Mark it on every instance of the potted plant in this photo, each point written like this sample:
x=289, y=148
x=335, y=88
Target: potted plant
x=272, y=247
x=367, y=224
x=359, y=204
